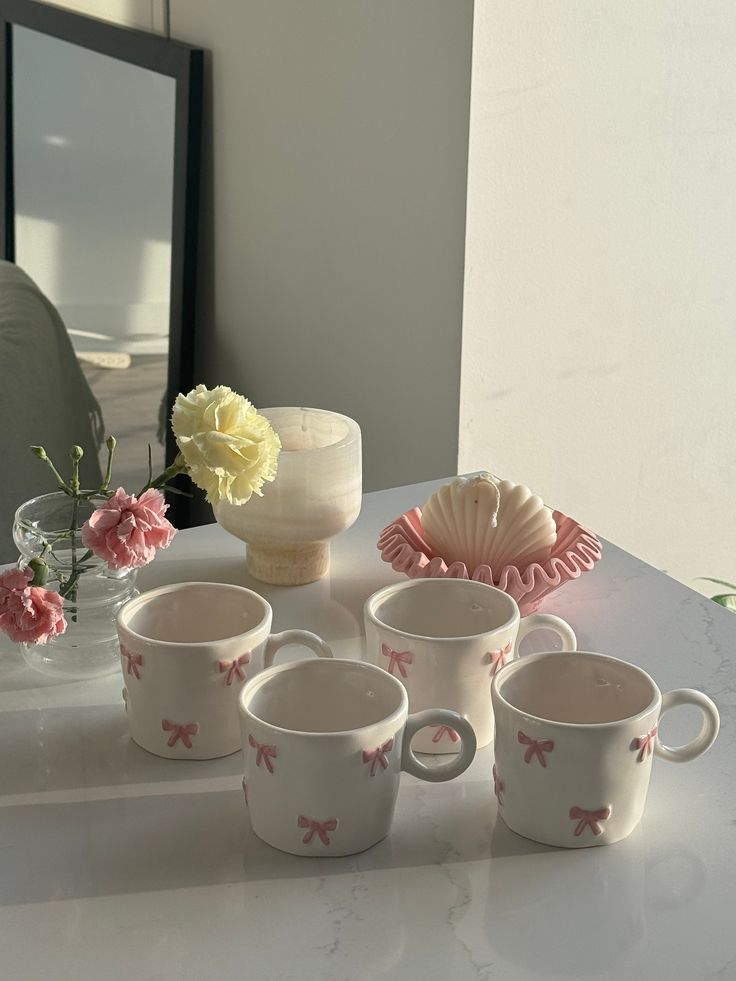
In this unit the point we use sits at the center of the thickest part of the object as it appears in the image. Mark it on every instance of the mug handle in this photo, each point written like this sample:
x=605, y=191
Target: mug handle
x=305, y=637
x=457, y=764
x=547, y=621
x=708, y=731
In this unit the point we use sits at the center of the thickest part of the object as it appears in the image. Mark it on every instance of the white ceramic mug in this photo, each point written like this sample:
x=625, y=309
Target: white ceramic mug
x=324, y=744
x=444, y=639
x=186, y=651
x=575, y=738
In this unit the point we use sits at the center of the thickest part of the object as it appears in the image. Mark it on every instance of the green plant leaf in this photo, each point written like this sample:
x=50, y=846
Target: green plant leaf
x=726, y=599
x=719, y=582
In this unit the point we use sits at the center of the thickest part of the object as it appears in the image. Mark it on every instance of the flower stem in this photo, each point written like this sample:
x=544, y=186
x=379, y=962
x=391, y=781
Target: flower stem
x=69, y=589
x=177, y=467
x=110, y=443
x=42, y=455
x=72, y=581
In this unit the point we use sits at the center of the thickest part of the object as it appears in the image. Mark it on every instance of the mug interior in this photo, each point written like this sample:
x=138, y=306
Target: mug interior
x=323, y=696
x=194, y=613
x=443, y=608
x=577, y=688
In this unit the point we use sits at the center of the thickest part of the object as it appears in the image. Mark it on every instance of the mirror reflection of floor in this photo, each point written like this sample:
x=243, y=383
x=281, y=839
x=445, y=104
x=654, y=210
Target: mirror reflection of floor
x=130, y=398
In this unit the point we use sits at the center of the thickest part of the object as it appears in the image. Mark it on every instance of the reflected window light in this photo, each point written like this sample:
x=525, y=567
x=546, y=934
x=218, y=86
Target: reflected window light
x=39, y=238
x=53, y=140
x=149, y=317
x=88, y=333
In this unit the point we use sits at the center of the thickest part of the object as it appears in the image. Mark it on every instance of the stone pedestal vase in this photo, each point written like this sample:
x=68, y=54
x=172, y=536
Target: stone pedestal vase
x=316, y=495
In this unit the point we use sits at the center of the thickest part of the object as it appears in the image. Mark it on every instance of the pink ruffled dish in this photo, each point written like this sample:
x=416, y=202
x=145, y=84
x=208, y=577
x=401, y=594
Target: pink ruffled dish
x=576, y=551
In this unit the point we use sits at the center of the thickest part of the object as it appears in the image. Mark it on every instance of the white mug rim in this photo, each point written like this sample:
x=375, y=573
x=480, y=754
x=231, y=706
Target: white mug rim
x=518, y=664
x=137, y=601
x=263, y=677
x=381, y=594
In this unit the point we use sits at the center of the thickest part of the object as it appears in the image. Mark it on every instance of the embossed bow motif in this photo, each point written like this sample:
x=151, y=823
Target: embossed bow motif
x=125, y=698
x=245, y=792
x=183, y=732
x=499, y=658
x=377, y=756
x=645, y=744
x=234, y=668
x=264, y=752
x=589, y=819
x=134, y=661
x=443, y=731
x=535, y=747
x=319, y=828
x=397, y=659
x=498, y=785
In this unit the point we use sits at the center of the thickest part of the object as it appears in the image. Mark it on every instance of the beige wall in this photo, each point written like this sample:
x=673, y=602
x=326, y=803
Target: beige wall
x=336, y=225
x=333, y=212
x=600, y=296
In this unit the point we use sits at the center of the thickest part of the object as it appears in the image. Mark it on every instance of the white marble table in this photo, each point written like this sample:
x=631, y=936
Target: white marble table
x=119, y=866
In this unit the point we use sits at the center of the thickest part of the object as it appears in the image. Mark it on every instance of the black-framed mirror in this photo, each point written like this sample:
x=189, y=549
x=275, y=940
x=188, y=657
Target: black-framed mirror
x=100, y=182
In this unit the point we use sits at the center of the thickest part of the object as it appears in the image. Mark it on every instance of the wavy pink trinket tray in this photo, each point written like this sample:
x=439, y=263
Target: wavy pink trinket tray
x=576, y=550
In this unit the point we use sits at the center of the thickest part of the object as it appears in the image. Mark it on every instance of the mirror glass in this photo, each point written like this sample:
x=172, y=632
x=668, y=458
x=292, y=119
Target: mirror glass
x=94, y=168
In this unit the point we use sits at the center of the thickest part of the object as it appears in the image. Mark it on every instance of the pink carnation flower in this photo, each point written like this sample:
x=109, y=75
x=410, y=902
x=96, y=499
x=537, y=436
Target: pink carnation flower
x=29, y=614
x=126, y=530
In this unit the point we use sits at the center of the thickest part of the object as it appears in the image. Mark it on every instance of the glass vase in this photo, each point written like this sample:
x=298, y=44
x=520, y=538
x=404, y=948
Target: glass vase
x=89, y=646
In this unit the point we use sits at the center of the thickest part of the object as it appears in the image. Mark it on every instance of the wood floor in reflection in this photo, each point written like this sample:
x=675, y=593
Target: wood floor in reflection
x=131, y=401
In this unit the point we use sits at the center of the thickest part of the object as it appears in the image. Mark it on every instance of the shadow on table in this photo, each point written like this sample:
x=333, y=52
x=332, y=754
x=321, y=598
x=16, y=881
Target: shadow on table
x=173, y=841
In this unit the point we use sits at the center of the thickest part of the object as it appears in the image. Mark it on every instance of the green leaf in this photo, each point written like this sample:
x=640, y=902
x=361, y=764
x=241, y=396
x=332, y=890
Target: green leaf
x=726, y=599
x=719, y=582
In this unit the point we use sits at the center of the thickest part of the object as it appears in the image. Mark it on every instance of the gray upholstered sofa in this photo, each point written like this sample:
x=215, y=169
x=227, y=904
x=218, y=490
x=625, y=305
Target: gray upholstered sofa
x=44, y=398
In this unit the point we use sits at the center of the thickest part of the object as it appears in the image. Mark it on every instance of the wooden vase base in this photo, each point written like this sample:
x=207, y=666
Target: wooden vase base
x=288, y=565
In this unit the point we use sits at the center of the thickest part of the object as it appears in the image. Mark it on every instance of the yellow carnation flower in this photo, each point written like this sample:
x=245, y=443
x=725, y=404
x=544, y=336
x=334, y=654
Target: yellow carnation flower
x=229, y=448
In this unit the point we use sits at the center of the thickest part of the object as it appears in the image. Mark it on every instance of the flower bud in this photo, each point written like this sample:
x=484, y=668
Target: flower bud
x=40, y=452
x=76, y=453
x=111, y=443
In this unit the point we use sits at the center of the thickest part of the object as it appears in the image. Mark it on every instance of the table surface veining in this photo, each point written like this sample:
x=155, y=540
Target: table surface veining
x=119, y=866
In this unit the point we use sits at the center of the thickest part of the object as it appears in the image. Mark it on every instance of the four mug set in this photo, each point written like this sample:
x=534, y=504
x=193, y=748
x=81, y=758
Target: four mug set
x=325, y=739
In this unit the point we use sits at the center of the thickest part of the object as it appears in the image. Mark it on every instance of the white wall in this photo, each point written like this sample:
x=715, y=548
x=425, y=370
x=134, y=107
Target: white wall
x=334, y=213
x=600, y=297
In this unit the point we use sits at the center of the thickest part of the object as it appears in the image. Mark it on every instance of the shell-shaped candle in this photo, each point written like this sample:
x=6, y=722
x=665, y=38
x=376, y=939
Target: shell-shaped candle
x=480, y=521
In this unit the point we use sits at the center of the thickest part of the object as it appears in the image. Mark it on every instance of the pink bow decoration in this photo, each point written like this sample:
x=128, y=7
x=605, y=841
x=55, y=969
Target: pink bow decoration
x=445, y=730
x=183, y=732
x=498, y=785
x=264, y=752
x=319, y=828
x=134, y=661
x=589, y=819
x=499, y=658
x=645, y=744
x=535, y=747
x=234, y=668
x=378, y=756
x=397, y=659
